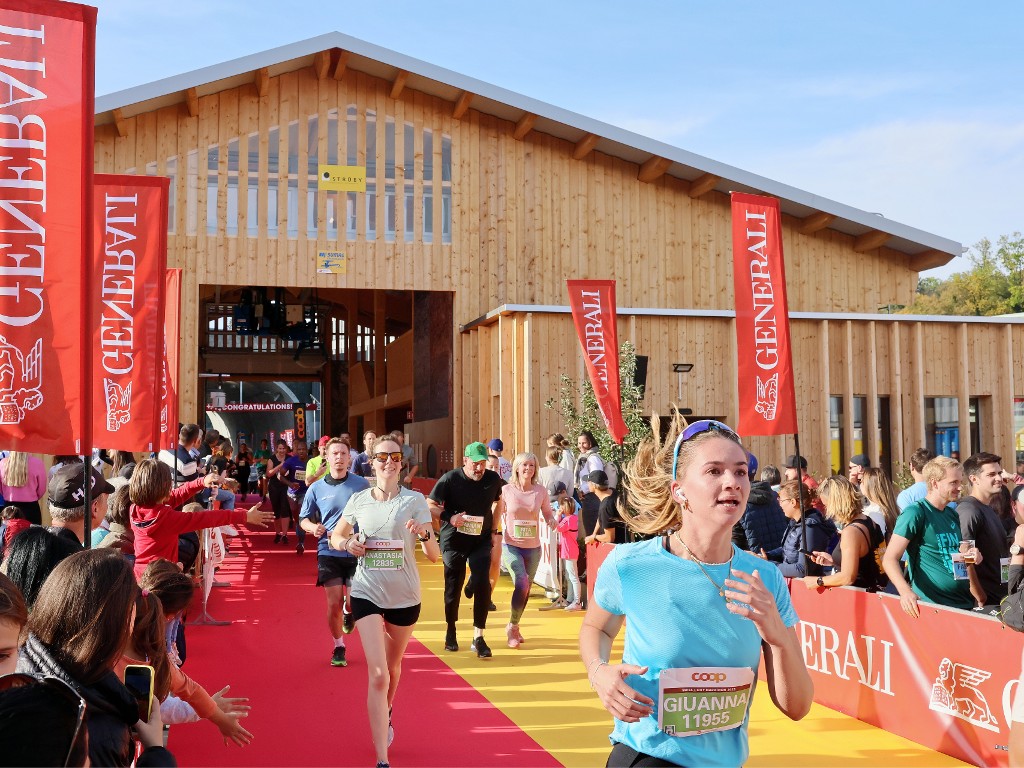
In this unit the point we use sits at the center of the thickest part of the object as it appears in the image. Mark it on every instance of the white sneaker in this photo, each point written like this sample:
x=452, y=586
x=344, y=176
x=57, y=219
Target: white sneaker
x=229, y=530
x=574, y=607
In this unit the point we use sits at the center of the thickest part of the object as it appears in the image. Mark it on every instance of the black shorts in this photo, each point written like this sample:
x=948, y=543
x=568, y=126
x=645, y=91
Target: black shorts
x=400, y=617
x=334, y=571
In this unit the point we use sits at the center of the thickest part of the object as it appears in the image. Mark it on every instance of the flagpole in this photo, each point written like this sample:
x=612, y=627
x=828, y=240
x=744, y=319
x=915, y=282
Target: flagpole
x=800, y=491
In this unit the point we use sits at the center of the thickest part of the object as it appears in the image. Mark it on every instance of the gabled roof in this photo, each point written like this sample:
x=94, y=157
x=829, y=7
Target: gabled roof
x=334, y=51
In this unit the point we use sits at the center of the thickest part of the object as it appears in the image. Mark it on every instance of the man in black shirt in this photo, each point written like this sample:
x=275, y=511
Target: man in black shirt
x=980, y=523
x=467, y=501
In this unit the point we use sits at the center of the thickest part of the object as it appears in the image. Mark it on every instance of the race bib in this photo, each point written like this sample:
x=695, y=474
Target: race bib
x=1004, y=570
x=384, y=555
x=959, y=567
x=300, y=474
x=473, y=525
x=524, y=529
x=703, y=699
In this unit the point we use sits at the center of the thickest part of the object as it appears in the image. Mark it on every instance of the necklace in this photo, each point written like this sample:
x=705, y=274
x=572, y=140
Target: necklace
x=387, y=496
x=701, y=564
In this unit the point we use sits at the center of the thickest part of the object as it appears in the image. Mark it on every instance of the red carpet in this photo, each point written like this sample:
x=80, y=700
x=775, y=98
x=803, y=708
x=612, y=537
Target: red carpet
x=307, y=713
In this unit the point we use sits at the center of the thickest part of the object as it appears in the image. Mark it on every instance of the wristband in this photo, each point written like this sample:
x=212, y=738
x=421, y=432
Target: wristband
x=591, y=669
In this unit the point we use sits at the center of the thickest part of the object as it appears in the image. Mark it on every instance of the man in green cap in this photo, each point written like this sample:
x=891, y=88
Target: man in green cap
x=466, y=501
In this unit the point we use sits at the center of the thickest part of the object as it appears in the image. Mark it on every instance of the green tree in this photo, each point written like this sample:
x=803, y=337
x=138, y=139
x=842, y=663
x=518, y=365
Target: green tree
x=577, y=405
x=991, y=286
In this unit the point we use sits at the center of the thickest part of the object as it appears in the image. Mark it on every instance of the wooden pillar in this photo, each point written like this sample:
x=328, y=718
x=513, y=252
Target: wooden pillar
x=963, y=393
x=873, y=447
x=902, y=446
x=380, y=378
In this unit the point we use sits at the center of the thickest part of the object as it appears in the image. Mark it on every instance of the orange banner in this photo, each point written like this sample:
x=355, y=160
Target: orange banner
x=767, y=400
x=172, y=336
x=46, y=160
x=130, y=245
x=945, y=680
x=594, y=313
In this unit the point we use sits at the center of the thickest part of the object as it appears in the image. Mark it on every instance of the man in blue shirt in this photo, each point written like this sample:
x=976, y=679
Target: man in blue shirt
x=919, y=489
x=322, y=508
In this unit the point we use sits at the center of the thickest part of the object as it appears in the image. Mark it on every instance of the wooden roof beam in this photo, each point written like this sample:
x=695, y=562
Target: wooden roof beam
x=585, y=146
x=929, y=260
x=121, y=123
x=869, y=241
x=702, y=185
x=262, y=81
x=653, y=169
x=340, y=65
x=399, y=84
x=321, y=64
x=524, y=126
x=462, y=105
x=192, y=102
x=814, y=223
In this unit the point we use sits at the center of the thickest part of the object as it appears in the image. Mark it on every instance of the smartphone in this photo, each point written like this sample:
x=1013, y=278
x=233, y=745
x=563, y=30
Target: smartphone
x=806, y=552
x=138, y=679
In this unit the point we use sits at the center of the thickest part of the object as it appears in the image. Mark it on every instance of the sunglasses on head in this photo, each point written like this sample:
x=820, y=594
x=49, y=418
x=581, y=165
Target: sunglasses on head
x=69, y=694
x=698, y=428
x=383, y=457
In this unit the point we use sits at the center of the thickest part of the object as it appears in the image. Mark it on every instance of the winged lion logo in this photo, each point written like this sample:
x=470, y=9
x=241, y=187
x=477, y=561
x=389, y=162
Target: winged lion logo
x=956, y=693
x=119, y=404
x=21, y=379
x=767, y=397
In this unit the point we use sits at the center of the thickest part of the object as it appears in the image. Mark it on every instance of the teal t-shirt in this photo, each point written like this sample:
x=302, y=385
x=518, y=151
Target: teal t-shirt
x=934, y=535
x=675, y=618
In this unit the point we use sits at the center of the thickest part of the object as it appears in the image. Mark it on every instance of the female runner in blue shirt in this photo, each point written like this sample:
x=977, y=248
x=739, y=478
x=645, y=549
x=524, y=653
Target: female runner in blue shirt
x=699, y=612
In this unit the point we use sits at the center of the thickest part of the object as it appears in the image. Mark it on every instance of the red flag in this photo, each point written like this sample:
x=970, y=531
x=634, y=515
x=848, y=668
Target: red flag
x=46, y=160
x=130, y=246
x=593, y=312
x=767, y=402
x=172, y=334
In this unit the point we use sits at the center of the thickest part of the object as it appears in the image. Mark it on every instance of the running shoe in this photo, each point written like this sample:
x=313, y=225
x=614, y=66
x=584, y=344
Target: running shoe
x=338, y=659
x=480, y=646
x=277, y=538
x=468, y=591
x=300, y=548
x=391, y=730
x=348, y=622
x=450, y=643
x=492, y=607
x=284, y=539
x=383, y=764
x=510, y=633
x=574, y=606
x=519, y=635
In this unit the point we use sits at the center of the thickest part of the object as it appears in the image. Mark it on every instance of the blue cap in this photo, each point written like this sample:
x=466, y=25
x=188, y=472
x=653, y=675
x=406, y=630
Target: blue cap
x=496, y=444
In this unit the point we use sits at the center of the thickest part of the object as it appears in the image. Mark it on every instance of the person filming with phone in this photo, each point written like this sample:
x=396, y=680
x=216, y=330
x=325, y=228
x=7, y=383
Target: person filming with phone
x=793, y=557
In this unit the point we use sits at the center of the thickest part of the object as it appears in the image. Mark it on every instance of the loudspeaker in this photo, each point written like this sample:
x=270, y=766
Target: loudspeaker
x=640, y=374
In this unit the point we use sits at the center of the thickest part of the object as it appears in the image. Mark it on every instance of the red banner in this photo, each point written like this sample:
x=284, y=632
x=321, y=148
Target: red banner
x=767, y=401
x=172, y=335
x=130, y=245
x=46, y=160
x=945, y=680
x=593, y=312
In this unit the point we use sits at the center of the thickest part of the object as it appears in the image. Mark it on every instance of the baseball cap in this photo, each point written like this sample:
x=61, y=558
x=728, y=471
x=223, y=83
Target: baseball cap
x=791, y=462
x=476, y=452
x=496, y=444
x=66, y=488
x=860, y=460
x=751, y=464
x=598, y=477
x=324, y=440
x=554, y=489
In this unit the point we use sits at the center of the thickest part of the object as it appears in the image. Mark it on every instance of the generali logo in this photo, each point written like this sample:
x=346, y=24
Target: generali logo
x=119, y=404
x=956, y=692
x=21, y=381
x=767, y=397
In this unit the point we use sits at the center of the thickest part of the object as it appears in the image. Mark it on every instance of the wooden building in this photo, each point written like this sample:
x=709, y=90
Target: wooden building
x=450, y=316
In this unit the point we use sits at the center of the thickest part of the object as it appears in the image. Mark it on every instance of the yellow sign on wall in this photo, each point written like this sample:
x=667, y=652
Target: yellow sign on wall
x=342, y=178
x=331, y=263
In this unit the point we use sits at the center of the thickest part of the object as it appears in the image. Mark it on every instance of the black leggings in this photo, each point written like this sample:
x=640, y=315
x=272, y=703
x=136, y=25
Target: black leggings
x=627, y=757
x=455, y=562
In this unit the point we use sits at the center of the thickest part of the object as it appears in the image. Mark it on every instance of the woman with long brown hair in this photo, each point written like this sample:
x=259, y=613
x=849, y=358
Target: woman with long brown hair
x=880, y=492
x=699, y=613
x=853, y=559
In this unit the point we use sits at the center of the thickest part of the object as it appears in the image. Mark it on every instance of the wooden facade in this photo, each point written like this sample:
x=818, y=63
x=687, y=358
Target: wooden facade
x=500, y=214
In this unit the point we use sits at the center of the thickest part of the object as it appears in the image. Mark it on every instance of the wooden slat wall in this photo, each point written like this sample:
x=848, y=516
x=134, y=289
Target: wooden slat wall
x=525, y=217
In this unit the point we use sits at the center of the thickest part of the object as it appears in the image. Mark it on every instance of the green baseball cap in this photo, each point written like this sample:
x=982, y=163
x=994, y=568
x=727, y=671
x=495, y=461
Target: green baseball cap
x=476, y=452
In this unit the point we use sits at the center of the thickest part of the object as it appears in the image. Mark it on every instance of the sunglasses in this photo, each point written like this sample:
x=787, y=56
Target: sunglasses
x=383, y=457
x=22, y=680
x=698, y=428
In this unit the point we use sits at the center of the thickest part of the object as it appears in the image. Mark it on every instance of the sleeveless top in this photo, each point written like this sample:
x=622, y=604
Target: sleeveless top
x=869, y=572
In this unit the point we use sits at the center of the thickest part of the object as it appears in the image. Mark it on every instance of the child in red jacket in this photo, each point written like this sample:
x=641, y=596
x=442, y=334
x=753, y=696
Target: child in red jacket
x=157, y=523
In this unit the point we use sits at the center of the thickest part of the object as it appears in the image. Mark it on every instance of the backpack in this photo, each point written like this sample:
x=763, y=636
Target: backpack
x=1011, y=611
x=612, y=470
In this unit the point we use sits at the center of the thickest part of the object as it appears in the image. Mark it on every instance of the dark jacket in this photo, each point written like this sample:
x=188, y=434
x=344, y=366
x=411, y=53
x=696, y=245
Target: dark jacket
x=763, y=523
x=792, y=563
x=110, y=711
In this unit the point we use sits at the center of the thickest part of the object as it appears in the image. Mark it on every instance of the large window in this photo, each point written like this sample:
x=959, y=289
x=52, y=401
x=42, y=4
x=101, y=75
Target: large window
x=883, y=436
x=942, y=425
x=835, y=424
x=1018, y=431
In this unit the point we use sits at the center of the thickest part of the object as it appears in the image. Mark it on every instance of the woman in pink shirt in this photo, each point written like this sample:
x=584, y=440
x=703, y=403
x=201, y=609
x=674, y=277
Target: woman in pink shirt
x=23, y=484
x=523, y=502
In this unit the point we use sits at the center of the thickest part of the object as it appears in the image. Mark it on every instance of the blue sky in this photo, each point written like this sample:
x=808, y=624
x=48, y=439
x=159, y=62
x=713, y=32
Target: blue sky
x=910, y=109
